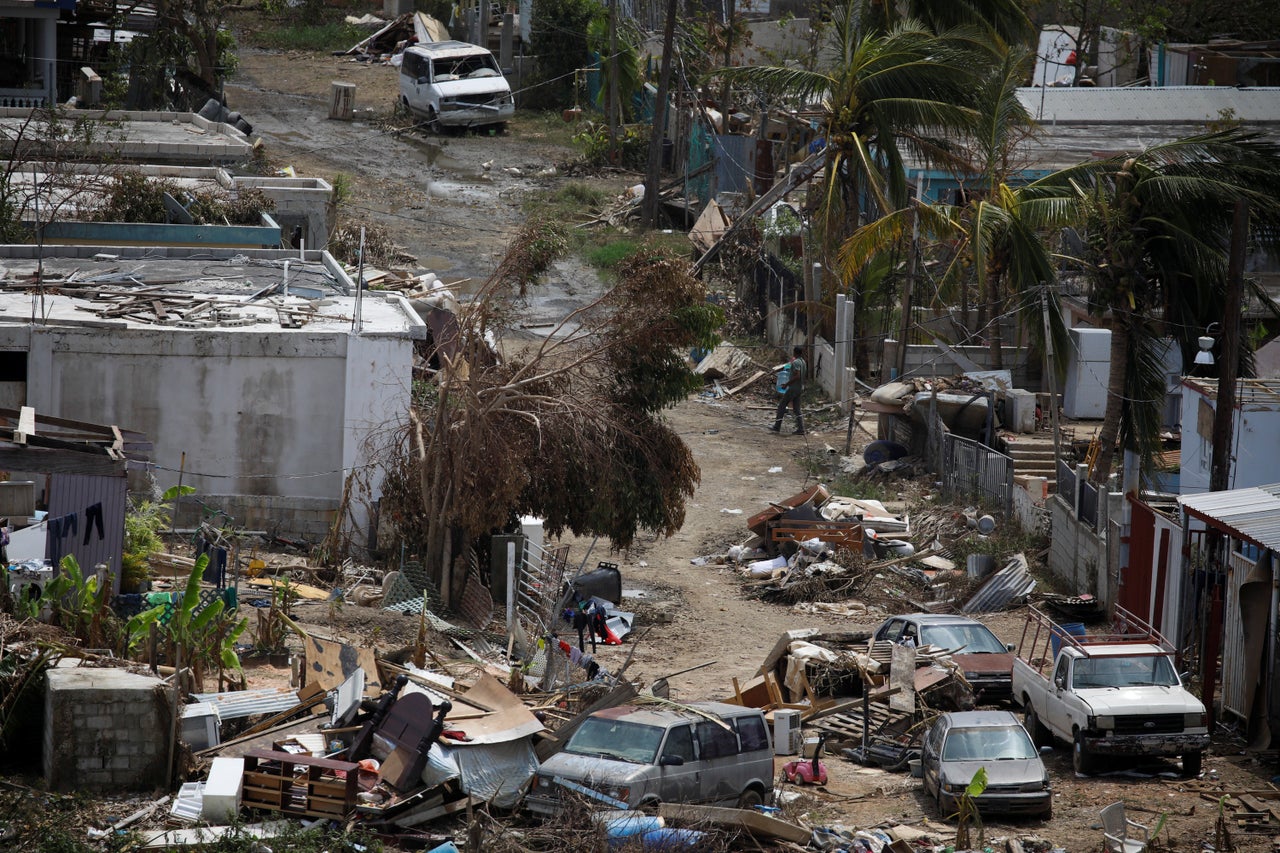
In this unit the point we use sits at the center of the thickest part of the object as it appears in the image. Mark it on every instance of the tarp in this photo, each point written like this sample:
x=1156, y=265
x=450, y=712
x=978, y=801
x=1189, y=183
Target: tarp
x=496, y=773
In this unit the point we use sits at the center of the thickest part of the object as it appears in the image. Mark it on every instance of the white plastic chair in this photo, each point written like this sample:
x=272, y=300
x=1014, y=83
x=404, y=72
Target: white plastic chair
x=1120, y=834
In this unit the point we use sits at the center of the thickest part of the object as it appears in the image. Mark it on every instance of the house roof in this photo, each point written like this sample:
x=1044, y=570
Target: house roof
x=1252, y=514
x=236, y=291
x=1255, y=393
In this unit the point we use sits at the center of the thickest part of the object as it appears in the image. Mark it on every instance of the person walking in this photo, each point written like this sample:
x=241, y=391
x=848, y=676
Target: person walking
x=792, y=390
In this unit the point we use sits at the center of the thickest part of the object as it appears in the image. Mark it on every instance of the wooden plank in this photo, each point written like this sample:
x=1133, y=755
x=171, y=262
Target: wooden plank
x=759, y=826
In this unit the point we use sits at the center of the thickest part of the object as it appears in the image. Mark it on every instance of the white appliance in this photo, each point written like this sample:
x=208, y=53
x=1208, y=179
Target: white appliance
x=786, y=731
x=27, y=580
x=1088, y=372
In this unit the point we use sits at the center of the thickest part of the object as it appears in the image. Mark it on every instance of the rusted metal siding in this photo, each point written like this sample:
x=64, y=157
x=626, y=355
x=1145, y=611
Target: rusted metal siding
x=75, y=494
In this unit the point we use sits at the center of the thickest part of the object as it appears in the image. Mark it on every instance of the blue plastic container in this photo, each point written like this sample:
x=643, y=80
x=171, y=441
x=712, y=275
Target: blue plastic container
x=1074, y=629
x=620, y=829
x=671, y=839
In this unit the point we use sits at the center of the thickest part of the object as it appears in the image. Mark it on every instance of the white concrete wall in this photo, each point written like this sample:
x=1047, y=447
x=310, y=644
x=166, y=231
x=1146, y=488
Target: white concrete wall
x=1255, y=460
x=1077, y=555
x=275, y=415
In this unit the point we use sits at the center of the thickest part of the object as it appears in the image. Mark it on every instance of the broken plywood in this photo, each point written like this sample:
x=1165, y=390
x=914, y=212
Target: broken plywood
x=330, y=663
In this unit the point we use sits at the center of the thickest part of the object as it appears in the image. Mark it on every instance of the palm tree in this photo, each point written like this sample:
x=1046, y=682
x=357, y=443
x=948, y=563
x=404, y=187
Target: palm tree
x=1156, y=227
x=996, y=232
x=886, y=95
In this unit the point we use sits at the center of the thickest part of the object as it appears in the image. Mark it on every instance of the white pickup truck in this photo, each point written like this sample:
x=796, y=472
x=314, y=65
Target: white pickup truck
x=1113, y=694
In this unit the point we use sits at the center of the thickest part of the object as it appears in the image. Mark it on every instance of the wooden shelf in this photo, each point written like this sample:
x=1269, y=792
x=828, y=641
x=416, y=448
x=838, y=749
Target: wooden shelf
x=299, y=785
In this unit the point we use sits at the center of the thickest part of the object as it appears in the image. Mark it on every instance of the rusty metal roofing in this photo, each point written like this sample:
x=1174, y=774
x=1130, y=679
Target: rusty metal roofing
x=1251, y=514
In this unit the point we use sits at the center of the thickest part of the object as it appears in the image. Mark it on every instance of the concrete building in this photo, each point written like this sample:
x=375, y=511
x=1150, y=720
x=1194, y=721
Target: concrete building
x=278, y=384
x=1254, y=460
x=138, y=137
x=105, y=729
x=28, y=52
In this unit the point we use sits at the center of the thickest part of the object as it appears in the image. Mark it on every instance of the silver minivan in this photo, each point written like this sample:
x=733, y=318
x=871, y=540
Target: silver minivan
x=454, y=84
x=638, y=756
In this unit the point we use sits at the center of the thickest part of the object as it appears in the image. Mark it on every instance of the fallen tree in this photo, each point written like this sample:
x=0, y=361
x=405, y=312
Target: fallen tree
x=568, y=428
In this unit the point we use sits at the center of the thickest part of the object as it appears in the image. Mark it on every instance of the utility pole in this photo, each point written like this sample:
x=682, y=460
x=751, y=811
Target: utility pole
x=725, y=106
x=653, y=174
x=1224, y=415
x=908, y=286
x=1049, y=372
x=611, y=94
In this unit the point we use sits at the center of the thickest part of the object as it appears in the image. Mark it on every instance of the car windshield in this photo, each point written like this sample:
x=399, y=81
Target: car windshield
x=604, y=738
x=457, y=68
x=1137, y=671
x=1006, y=743
x=971, y=639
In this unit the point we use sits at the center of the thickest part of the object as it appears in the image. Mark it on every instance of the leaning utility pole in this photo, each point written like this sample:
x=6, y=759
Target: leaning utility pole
x=611, y=95
x=1224, y=415
x=653, y=175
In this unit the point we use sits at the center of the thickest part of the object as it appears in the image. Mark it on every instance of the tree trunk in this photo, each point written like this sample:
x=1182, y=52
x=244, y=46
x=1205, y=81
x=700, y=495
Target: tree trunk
x=1115, y=397
x=997, y=309
x=653, y=174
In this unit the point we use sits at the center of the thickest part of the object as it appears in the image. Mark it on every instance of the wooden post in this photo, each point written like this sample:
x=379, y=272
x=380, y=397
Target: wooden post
x=653, y=174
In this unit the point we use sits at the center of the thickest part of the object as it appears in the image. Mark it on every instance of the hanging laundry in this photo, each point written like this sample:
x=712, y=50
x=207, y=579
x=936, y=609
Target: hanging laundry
x=92, y=517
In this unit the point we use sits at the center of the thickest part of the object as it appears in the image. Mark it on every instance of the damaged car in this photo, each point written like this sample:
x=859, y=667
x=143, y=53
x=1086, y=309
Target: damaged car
x=637, y=756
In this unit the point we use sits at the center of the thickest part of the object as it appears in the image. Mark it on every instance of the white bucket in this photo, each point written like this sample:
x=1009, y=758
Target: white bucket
x=917, y=768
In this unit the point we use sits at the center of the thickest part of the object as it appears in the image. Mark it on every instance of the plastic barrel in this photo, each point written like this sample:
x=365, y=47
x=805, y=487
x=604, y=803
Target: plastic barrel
x=621, y=828
x=1074, y=629
x=671, y=839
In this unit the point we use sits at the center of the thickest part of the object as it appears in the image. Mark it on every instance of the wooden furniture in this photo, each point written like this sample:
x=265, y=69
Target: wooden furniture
x=842, y=534
x=299, y=785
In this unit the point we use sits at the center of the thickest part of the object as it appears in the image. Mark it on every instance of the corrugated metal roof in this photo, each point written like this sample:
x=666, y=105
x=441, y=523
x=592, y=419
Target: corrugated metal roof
x=1251, y=514
x=998, y=591
x=248, y=703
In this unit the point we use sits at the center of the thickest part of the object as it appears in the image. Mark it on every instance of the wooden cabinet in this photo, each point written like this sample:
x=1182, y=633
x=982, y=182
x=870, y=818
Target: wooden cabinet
x=299, y=785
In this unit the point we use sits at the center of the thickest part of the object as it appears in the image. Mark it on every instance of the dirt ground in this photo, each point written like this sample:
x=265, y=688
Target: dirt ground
x=453, y=202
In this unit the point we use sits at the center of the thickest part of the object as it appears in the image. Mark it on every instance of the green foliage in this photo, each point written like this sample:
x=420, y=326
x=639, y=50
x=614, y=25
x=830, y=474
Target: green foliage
x=135, y=197
x=558, y=37
x=632, y=145
x=318, y=37
x=968, y=812
x=609, y=255
x=578, y=194
x=536, y=247
x=629, y=37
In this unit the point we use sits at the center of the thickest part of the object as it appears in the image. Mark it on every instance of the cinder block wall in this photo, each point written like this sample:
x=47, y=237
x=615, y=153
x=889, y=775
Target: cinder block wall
x=104, y=729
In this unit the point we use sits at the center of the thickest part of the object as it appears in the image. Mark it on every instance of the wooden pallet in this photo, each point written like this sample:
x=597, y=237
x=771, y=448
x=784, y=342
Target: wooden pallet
x=299, y=785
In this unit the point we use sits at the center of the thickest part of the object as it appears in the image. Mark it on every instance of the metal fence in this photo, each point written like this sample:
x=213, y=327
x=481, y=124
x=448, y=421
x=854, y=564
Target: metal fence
x=537, y=587
x=973, y=469
x=968, y=468
x=1085, y=495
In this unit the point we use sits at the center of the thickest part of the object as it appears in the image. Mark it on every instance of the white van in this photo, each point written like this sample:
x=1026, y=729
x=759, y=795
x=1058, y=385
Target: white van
x=454, y=84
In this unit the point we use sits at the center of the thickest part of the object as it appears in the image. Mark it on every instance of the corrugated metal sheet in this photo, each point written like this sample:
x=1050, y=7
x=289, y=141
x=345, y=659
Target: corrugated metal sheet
x=1011, y=582
x=1233, y=655
x=248, y=703
x=1251, y=514
x=74, y=495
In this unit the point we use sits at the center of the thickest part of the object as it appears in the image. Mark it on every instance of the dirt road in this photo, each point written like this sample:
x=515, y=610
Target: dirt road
x=453, y=202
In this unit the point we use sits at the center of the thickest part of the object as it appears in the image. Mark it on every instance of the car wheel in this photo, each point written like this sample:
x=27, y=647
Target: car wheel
x=750, y=799
x=1048, y=811
x=650, y=806
x=433, y=120
x=1081, y=760
x=1191, y=763
x=1040, y=735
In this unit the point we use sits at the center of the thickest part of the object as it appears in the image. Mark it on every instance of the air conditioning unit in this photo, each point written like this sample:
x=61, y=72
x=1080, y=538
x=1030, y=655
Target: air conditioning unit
x=787, y=735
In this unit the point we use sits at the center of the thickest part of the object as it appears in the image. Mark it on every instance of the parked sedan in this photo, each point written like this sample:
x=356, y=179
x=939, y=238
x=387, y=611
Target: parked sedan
x=987, y=663
x=960, y=743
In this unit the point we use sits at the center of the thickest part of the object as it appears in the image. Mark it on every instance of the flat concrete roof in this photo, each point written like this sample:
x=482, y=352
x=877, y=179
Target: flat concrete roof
x=99, y=678
x=196, y=289
x=151, y=137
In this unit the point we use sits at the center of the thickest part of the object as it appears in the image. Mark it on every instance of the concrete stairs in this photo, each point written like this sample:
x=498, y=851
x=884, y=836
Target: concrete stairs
x=1032, y=455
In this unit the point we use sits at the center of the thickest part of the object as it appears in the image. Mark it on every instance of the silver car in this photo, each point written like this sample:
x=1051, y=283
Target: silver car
x=638, y=756
x=959, y=744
